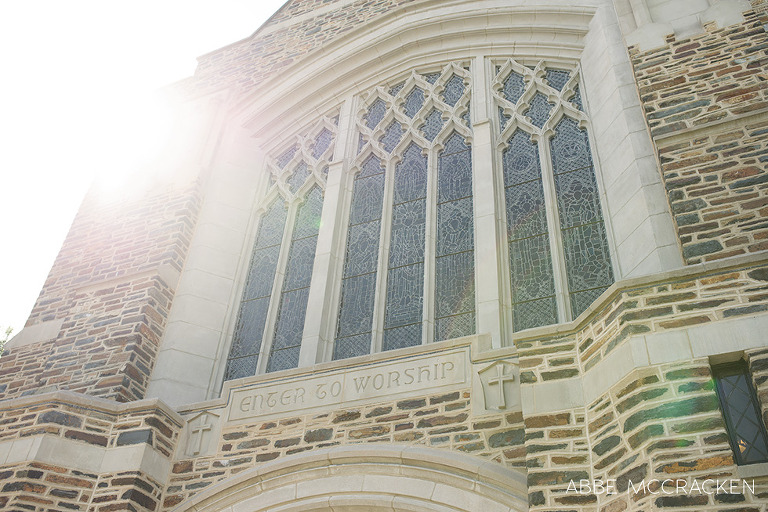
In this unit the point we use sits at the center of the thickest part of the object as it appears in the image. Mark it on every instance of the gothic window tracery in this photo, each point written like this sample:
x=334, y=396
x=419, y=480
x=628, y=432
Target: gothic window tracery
x=407, y=271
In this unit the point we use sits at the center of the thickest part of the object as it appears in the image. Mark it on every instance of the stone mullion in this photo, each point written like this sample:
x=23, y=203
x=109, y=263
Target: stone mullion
x=557, y=249
x=489, y=240
x=430, y=249
x=319, y=323
x=380, y=303
x=277, y=289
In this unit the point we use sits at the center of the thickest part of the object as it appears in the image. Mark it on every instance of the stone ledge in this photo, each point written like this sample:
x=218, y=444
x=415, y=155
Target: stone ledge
x=38, y=333
x=93, y=403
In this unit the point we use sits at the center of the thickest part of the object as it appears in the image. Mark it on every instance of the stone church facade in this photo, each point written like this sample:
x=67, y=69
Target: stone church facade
x=422, y=255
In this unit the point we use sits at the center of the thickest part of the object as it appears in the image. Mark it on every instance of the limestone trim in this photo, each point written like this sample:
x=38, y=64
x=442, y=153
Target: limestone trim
x=384, y=476
x=396, y=42
x=93, y=403
x=718, y=126
x=734, y=262
x=75, y=455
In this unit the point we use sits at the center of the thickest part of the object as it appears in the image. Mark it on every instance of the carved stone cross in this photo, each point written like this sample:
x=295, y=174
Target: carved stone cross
x=196, y=439
x=499, y=380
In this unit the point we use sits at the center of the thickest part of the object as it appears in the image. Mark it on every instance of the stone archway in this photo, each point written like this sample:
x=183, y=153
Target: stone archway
x=369, y=477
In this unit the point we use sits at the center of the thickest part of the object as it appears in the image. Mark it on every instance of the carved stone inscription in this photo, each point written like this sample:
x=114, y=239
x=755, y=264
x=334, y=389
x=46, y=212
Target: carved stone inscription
x=386, y=379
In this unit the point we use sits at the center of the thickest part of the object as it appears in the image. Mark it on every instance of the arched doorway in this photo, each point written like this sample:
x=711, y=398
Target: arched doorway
x=369, y=477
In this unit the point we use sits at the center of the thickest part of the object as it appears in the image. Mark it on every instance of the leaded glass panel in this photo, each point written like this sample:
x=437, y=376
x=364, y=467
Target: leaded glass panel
x=321, y=143
x=570, y=147
x=431, y=77
x=249, y=332
x=576, y=100
x=585, y=243
x=283, y=359
x=355, y=322
x=456, y=326
x=578, y=199
x=455, y=226
x=272, y=224
x=467, y=117
x=402, y=337
x=250, y=328
x=261, y=272
x=405, y=288
x=535, y=313
x=352, y=346
x=362, y=248
x=411, y=175
x=587, y=259
x=240, y=367
x=532, y=275
x=454, y=89
x=287, y=156
x=455, y=263
x=301, y=258
x=514, y=86
x=432, y=125
x=742, y=413
x=557, y=78
x=396, y=89
x=366, y=200
x=286, y=342
x=503, y=118
x=407, y=237
x=531, y=266
x=526, y=216
x=298, y=177
x=413, y=102
x=391, y=136
x=539, y=110
x=375, y=113
x=358, y=294
x=308, y=216
x=455, y=284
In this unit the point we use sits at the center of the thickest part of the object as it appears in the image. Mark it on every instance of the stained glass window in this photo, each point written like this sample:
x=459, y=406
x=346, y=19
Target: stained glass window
x=742, y=413
x=355, y=323
x=276, y=328
x=249, y=332
x=286, y=343
x=422, y=111
x=530, y=260
x=570, y=179
x=405, y=276
x=587, y=258
x=455, y=262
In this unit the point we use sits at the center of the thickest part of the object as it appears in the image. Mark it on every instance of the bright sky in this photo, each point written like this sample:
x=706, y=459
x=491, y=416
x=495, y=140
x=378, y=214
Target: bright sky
x=76, y=93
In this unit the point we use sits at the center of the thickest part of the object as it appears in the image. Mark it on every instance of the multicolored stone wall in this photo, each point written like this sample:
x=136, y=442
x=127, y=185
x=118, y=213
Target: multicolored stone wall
x=662, y=421
x=706, y=102
x=108, y=289
x=443, y=421
x=41, y=486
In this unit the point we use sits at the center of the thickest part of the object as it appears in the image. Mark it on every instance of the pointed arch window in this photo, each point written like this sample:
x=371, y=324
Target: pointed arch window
x=559, y=258
x=411, y=218
x=270, y=321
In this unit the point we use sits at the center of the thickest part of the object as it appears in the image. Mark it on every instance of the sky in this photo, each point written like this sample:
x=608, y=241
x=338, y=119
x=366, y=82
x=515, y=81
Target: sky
x=78, y=100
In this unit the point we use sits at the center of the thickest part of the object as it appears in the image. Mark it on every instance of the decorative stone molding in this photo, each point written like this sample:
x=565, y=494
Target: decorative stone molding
x=370, y=477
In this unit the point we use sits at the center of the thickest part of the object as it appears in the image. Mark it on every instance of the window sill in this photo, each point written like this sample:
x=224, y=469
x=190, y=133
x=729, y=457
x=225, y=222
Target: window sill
x=752, y=470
